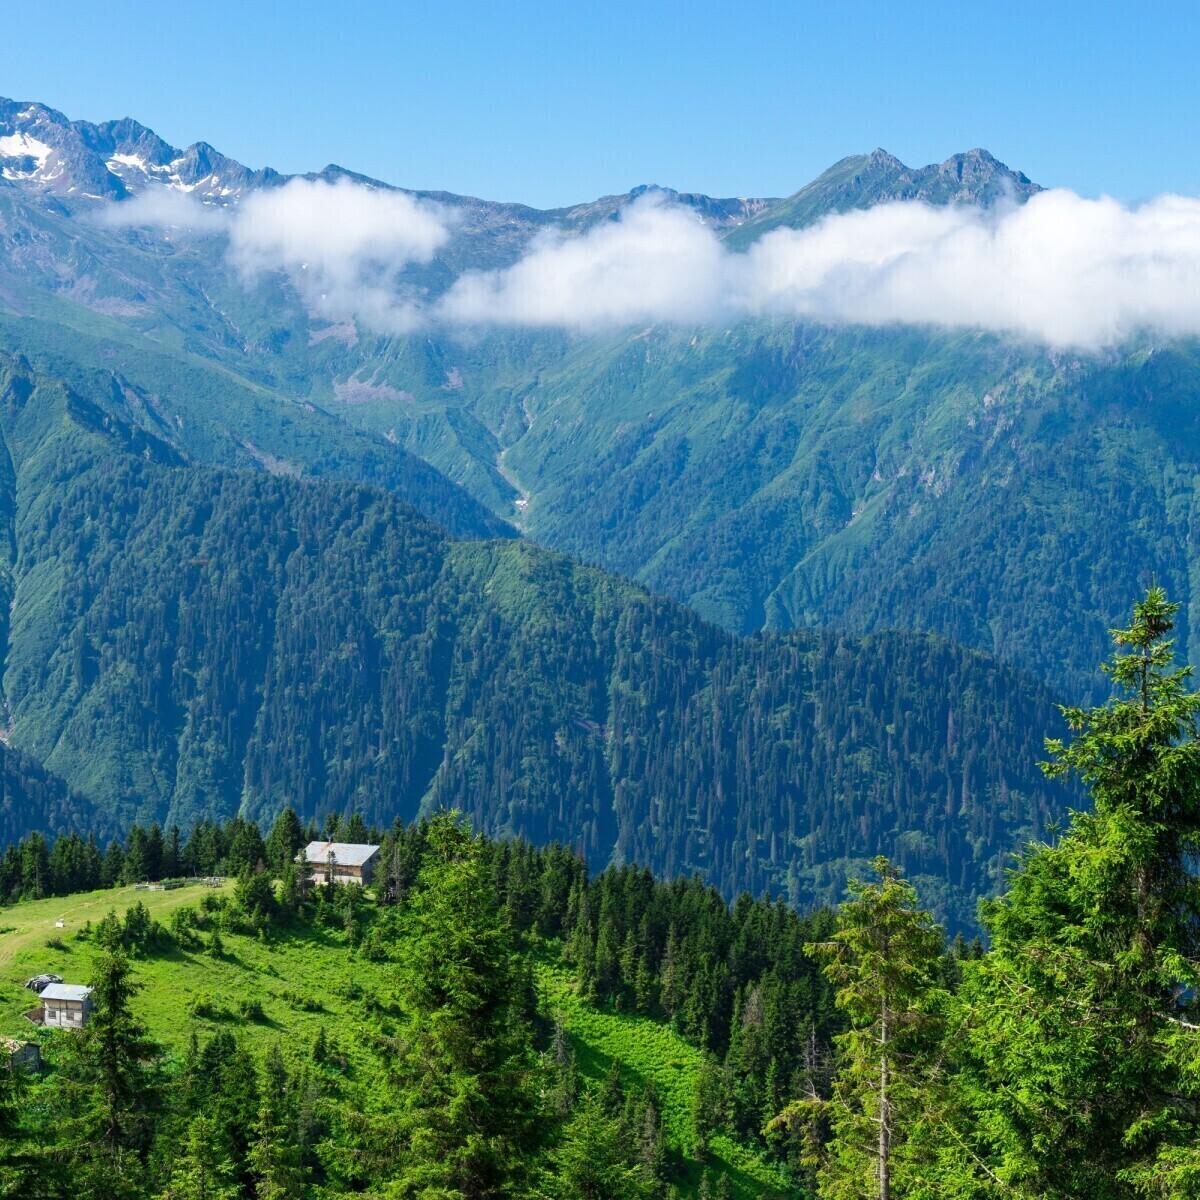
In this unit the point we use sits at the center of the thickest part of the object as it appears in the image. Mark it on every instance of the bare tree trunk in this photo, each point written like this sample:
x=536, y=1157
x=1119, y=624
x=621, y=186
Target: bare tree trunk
x=885, y=1115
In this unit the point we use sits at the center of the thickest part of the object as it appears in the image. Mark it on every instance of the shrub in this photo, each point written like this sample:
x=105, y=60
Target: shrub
x=207, y=1007
x=252, y=1010
x=183, y=925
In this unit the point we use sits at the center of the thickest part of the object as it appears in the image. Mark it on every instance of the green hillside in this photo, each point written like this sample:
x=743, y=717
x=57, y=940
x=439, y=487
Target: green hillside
x=305, y=981
x=330, y=976
x=186, y=642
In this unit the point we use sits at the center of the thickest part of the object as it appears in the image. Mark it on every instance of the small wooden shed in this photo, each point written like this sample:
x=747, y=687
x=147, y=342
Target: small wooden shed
x=66, y=1005
x=15, y=1053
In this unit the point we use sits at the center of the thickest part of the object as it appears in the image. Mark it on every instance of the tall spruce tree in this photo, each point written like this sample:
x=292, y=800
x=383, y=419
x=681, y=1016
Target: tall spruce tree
x=203, y=1170
x=466, y=1096
x=1083, y=1017
x=19, y=1167
x=593, y=1161
x=883, y=960
x=108, y=1089
x=276, y=1157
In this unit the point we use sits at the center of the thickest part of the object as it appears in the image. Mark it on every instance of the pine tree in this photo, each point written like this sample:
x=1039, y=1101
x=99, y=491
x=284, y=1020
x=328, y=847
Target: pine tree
x=155, y=853
x=254, y=896
x=564, y=1090
x=284, y=841
x=114, y=865
x=320, y=1046
x=134, y=869
x=1083, y=1016
x=466, y=1102
x=203, y=1170
x=290, y=895
x=884, y=960
x=706, y=1106
x=592, y=1162
x=275, y=1155
x=19, y=1167
x=109, y=1087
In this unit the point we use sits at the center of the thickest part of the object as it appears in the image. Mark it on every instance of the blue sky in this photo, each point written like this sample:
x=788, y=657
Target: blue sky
x=555, y=103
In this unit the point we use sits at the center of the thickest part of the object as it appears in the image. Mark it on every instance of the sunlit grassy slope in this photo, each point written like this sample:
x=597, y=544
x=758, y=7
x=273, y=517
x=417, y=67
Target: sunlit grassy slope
x=306, y=978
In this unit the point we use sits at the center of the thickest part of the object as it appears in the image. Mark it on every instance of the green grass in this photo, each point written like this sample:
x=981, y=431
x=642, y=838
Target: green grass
x=303, y=979
x=649, y=1050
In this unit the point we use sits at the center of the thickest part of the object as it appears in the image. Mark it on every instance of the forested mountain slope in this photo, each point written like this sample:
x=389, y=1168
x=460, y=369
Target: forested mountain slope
x=187, y=642
x=779, y=475
x=770, y=474
x=32, y=798
x=148, y=336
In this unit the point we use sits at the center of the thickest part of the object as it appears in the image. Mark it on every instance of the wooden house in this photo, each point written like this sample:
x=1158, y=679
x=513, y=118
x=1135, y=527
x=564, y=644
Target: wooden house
x=343, y=862
x=65, y=1006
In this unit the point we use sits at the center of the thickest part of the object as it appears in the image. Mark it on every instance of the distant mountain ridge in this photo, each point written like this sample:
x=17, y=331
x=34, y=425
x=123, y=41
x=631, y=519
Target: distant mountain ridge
x=113, y=160
x=864, y=180
x=774, y=474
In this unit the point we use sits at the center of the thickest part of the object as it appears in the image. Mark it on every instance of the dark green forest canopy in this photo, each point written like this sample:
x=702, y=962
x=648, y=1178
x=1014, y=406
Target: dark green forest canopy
x=773, y=474
x=187, y=642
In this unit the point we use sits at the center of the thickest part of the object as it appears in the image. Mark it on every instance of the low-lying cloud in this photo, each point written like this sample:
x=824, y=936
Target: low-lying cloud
x=165, y=208
x=1060, y=269
x=344, y=245
x=657, y=263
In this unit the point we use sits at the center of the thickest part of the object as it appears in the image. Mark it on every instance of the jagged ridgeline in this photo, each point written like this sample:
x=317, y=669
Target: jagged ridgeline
x=190, y=642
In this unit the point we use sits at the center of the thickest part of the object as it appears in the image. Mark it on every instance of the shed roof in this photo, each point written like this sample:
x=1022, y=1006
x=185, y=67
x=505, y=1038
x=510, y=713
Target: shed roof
x=66, y=991
x=345, y=854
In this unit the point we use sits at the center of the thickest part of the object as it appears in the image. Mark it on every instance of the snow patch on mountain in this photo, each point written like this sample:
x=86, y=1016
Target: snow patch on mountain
x=26, y=150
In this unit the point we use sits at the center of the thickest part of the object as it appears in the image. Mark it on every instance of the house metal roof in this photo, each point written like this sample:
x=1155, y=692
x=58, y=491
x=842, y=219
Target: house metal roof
x=66, y=991
x=345, y=854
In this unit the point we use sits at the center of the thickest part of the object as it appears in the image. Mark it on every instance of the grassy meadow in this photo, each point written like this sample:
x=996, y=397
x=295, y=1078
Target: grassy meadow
x=306, y=977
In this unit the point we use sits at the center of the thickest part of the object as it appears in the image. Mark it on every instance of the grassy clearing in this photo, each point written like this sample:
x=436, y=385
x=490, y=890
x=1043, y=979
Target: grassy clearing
x=301, y=978
x=305, y=978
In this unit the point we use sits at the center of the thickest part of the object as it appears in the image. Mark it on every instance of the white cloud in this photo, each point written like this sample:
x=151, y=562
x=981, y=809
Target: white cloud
x=1059, y=269
x=655, y=264
x=165, y=208
x=343, y=244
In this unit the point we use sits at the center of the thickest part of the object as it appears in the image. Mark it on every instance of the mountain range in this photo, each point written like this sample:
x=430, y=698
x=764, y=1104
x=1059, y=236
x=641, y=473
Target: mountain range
x=823, y=497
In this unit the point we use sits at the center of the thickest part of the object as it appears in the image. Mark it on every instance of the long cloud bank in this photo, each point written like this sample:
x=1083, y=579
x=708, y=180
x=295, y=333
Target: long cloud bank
x=1062, y=270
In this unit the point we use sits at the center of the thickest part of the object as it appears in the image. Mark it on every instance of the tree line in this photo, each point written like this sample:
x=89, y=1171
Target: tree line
x=1058, y=1061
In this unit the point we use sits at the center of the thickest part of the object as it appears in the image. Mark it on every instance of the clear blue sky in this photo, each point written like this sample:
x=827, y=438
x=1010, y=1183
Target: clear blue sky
x=556, y=103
